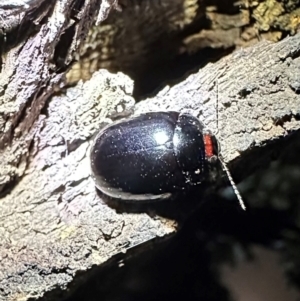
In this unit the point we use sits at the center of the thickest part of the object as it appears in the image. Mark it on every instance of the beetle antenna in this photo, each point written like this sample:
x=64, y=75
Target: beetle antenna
x=225, y=168
x=239, y=197
x=217, y=107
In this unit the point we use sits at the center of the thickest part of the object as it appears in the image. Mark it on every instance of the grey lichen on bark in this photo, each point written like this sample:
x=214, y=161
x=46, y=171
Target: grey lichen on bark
x=53, y=224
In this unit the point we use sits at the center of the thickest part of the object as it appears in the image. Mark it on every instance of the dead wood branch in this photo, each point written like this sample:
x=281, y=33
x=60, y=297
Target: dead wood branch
x=53, y=224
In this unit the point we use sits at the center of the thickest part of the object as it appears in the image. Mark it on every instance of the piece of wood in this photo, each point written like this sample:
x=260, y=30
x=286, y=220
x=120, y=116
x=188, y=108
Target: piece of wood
x=257, y=90
x=41, y=39
x=53, y=224
x=150, y=35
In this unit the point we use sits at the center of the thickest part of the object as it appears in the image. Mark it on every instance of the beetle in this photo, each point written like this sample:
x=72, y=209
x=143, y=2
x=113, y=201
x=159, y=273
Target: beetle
x=153, y=156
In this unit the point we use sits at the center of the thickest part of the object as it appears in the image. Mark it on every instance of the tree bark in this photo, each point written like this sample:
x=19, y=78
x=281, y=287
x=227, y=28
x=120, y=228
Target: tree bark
x=150, y=37
x=53, y=224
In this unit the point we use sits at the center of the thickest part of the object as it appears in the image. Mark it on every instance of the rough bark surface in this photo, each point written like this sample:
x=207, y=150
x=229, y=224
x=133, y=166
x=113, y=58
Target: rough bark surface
x=53, y=224
x=32, y=69
x=148, y=34
x=256, y=91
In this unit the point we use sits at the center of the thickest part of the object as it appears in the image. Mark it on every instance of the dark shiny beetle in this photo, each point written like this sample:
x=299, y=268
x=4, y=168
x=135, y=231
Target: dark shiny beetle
x=152, y=156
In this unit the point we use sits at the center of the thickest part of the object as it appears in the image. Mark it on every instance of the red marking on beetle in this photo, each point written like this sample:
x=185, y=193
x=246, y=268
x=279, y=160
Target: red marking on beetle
x=208, y=144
